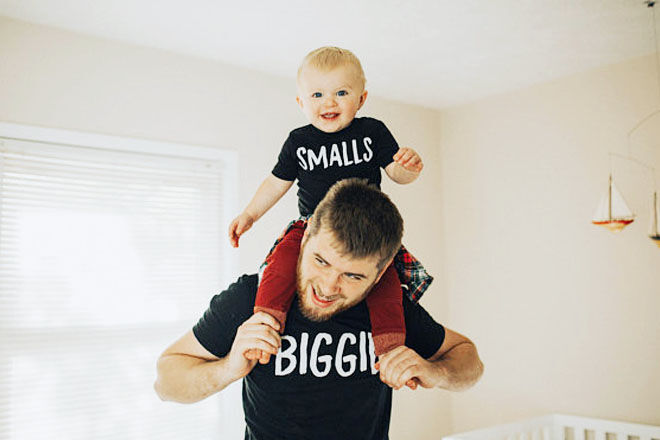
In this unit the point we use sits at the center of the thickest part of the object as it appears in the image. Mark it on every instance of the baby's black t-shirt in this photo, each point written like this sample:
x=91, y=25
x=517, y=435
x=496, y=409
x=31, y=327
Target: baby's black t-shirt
x=318, y=159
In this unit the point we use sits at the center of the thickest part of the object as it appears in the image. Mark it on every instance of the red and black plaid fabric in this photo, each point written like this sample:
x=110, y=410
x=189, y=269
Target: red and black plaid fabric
x=414, y=278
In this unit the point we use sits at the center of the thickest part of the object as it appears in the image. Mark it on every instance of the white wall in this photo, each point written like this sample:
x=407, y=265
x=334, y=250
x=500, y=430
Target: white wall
x=565, y=313
x=59, y=79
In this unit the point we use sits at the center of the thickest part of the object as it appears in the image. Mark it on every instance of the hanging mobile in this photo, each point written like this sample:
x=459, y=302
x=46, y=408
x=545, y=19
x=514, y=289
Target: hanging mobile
x=655, y=216
x=613, y=212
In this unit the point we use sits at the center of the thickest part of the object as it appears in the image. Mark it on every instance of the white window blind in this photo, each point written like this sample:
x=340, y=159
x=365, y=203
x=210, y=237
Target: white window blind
x=106, y=257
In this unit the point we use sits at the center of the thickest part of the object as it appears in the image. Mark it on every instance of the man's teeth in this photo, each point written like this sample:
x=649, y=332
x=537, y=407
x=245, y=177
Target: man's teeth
x=324, y=298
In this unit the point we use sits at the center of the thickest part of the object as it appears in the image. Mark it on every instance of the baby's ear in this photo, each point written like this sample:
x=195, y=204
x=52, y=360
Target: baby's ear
x=299, y=101
x=363, y=97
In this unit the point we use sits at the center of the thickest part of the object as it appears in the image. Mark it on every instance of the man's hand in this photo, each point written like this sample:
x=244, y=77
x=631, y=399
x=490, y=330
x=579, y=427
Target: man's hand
x=258, y=332
x=409, y=159
x=403, y=366
x=238, y=226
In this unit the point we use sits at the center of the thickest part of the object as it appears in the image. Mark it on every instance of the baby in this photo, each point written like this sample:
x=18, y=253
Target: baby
x=334, y=146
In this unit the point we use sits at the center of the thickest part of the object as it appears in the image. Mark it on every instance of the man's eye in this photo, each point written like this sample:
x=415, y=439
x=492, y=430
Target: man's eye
x=342, y=93
x=317, y=94
x=354, y=277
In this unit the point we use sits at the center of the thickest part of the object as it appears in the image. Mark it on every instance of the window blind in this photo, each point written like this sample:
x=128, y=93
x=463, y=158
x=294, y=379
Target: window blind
x=106, y=257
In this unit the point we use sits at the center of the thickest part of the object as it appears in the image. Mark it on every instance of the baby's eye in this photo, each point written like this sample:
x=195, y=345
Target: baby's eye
x=342, y=93
x=320, y=261
x=317, y=94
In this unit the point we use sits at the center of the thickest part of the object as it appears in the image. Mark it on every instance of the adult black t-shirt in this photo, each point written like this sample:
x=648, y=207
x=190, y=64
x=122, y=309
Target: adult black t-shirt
x=322, y=384
x=318, y=159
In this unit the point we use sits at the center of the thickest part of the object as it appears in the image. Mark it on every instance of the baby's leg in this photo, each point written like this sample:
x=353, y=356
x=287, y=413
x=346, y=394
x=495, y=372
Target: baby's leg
x=388, y=326
x=277, y=287
x=384, y=302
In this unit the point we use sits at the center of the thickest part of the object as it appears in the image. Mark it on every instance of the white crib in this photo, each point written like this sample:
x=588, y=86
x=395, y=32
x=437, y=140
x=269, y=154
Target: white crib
x=562, y=427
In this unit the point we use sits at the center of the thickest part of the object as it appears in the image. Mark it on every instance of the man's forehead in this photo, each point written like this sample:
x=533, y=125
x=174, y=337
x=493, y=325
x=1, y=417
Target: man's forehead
x=325, y=244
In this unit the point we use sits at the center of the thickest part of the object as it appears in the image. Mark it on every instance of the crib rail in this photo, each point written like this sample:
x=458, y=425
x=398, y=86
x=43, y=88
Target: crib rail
x=563, y=427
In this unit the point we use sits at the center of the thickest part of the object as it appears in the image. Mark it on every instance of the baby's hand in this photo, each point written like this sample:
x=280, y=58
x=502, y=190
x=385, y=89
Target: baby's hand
x=409, y=159
x=254, y=354
x=238, y=226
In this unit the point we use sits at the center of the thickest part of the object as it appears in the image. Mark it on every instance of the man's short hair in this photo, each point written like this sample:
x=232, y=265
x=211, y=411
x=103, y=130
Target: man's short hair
x=327, y=58
x=363, y=220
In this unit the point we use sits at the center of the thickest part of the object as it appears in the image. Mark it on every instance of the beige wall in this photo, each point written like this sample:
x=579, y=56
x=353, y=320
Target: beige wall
x=63, y=80
x=565, y=313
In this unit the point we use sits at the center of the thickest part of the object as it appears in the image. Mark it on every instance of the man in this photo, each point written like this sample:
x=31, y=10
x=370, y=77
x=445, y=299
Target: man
x=323, y=382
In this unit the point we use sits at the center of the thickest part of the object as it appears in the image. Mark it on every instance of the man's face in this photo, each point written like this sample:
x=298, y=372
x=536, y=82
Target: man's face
x=329, y=282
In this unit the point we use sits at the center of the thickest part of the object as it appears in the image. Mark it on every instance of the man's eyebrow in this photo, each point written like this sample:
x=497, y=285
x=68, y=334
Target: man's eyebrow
x=353, y=274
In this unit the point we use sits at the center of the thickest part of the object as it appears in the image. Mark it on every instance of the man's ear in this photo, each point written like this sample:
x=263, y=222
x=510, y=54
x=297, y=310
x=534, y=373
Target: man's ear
x=382, y=271
x=304, y=238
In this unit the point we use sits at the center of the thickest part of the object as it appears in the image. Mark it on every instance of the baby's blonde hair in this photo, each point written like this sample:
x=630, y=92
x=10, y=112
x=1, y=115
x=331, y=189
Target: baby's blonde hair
x=329, y=57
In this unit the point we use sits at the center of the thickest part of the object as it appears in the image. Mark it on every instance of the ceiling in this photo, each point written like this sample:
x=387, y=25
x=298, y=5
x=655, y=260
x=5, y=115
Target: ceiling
x=434, y=53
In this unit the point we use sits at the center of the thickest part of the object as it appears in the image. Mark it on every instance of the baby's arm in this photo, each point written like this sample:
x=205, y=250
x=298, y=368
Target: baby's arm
x=406, y=166
x=270, y=191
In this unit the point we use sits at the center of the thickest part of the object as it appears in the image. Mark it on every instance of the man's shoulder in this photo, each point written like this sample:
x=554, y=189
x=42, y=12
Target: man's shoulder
x=239, y=296
x=215, y=330
x=423, y=333
x=245, y=286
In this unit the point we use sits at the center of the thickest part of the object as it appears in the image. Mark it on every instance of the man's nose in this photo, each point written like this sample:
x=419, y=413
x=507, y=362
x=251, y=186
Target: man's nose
x=331, y=283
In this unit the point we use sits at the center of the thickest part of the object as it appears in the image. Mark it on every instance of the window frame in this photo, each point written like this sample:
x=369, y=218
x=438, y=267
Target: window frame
x=110, y=143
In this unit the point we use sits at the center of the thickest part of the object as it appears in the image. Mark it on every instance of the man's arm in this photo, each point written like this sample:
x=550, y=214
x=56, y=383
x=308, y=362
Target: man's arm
x=455, y=366
x=188, y=373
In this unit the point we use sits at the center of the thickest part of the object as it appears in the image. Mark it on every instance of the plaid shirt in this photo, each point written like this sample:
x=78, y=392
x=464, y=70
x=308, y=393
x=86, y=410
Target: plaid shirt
x=414, y=278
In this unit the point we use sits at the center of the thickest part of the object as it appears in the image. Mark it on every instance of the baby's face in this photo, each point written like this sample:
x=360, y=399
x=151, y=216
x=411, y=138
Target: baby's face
x=330, y=99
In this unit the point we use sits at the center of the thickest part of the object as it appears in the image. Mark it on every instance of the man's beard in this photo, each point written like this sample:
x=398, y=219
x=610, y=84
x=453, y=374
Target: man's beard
x=313, y=313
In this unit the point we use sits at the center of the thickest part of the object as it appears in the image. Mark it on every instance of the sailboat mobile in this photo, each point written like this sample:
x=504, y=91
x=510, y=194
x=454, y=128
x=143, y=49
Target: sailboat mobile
x=613, y=212
x=655, y=215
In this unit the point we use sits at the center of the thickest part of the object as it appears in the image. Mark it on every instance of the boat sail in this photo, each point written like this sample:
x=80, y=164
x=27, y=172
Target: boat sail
x=655, y=218
x=613, y=212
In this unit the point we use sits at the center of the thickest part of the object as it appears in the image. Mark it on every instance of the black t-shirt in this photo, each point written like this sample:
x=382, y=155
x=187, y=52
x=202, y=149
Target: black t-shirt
x=322, y=384
x=318, y=159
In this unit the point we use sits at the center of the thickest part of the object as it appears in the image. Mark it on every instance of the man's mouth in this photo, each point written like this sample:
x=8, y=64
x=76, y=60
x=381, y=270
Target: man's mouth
x=322, y=300
x=330, y=115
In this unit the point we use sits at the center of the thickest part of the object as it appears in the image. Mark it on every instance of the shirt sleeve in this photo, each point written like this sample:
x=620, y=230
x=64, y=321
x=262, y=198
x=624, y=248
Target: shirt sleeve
x=286, y=167
x=387, y=146
x=423, y=334
x=216, y=329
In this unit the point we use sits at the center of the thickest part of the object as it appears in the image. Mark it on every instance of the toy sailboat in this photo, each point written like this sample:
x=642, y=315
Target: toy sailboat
x=655, y=217
x=613, y=212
